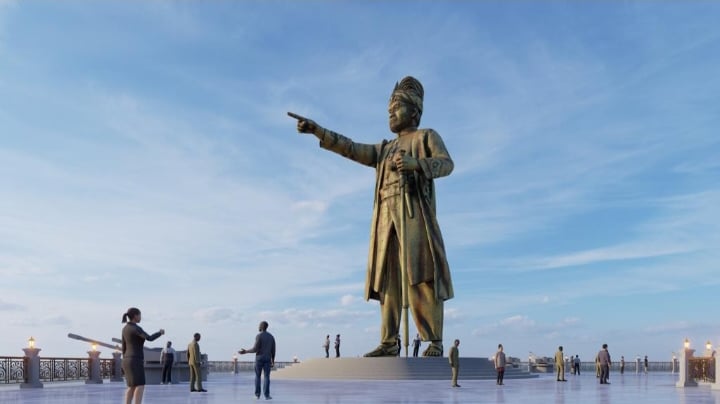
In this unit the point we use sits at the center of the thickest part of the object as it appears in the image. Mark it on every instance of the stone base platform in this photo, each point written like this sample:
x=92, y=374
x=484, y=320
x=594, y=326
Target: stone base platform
x=395, y=368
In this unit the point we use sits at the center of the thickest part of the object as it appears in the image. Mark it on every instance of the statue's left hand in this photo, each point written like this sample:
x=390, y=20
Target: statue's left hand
x=406, y=162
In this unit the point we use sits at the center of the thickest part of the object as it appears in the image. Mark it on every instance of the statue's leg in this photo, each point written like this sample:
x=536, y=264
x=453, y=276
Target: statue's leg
x=390, y=303
x=428, y=315
x=426, y=311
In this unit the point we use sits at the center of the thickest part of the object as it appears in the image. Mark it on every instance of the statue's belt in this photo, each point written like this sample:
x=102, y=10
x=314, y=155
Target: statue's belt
x=393, y=189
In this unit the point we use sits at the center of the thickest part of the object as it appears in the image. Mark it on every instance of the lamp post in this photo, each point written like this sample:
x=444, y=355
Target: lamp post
x=94, y=376
x=117, y=366
x=235, y=365
x=32, y=366
x=674, y=363
x=716, y=384
x=685, y=380
x=530, y=356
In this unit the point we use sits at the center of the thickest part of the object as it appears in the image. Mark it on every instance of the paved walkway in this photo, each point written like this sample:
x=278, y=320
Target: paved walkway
x=655, y=388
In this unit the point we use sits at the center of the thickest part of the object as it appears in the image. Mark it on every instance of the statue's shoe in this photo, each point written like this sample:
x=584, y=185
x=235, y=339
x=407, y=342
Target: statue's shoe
x=434, y=349
x=383, y=350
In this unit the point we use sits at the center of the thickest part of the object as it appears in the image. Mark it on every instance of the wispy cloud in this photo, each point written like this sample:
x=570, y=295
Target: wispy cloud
x=8, y=306
x=522, y=325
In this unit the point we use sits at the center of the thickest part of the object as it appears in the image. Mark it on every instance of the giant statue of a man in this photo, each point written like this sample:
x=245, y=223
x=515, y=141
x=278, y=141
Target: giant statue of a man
x=406, y=168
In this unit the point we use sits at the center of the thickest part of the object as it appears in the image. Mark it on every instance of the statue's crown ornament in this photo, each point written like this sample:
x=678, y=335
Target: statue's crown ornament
x=410, y=90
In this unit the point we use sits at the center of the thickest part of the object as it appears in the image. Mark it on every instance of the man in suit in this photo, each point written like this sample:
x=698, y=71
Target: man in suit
x=416, y=345
x=337, y=346
x=264, y=350
x=454, y=358
x=560, y=364
x=194, y=361
x=604, y=359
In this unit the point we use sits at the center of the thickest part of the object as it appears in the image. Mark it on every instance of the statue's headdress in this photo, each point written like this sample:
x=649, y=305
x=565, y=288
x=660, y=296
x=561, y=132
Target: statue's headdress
x=411, y=91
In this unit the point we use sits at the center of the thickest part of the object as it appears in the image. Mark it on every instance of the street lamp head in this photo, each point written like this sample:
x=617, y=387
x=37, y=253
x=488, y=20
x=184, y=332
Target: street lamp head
x=687, y=343
x=31, y=343
x=93, y=347
x=708, y=345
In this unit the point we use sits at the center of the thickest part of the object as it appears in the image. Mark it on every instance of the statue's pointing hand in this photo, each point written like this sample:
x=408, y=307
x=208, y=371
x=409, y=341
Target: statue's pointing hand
x=304, y=125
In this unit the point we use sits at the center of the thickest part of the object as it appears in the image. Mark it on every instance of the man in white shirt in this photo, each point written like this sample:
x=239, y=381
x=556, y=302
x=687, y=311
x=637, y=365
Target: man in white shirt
x=326, y=345
x=168, y=357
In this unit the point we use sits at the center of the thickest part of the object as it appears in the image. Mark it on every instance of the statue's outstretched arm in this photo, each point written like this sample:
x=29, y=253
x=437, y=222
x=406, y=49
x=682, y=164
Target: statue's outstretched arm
x=362, y=153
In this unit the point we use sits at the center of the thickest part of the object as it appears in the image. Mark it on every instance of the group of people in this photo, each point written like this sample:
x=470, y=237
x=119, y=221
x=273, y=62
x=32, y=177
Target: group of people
x=646, y=364
x=133, y=358
x=168, y=358
x=602, y=363
x=326, y=346
x=499, y=361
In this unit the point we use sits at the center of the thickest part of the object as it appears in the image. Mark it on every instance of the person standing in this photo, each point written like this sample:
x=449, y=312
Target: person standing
x=622, y=364
x=560, y=365
x=605, y=362
x=326, y=345
x=133, y=358
x=647, y=364
x=576, y=365
x=454, y=358
x=194, y=361
x=168, y=357
x=264, y=350
x=416, y=345
x=337, y=346
x=404, y=212
x=500, y=365
x=399, y=344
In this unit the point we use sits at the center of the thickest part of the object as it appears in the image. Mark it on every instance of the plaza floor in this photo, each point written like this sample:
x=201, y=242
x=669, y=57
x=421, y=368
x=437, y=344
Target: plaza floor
x=223, y=388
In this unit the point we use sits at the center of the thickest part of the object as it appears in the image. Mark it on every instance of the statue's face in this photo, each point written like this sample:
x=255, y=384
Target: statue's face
x=401, y=115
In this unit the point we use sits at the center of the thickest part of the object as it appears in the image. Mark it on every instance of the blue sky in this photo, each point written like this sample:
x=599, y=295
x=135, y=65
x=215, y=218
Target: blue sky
x=146, y=160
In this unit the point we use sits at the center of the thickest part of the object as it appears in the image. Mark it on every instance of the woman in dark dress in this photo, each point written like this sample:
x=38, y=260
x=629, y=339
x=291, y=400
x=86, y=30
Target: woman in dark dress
x=133, y=339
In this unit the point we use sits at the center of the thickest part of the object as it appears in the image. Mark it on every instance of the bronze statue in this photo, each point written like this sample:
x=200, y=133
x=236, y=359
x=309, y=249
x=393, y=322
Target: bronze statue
x=407, y=265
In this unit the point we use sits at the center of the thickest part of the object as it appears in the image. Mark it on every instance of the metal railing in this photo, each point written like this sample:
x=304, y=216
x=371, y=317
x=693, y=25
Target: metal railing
x=630, y=367
x=702, y=369
x=242, y=366
x=12, y=369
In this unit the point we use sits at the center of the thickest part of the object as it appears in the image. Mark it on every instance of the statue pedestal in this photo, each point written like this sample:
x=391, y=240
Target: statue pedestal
x=32, y=369
x=94, y=376
x=395, y=368
x=685, y=379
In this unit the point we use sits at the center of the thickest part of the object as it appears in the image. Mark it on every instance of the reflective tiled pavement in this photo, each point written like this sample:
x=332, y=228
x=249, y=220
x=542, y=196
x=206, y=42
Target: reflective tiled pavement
x=655, y=388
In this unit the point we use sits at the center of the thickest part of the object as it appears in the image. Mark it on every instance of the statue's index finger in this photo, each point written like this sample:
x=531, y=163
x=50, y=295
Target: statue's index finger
x=296, y=116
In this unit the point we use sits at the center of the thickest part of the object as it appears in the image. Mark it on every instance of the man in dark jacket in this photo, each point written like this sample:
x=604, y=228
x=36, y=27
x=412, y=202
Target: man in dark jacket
x=604, y=359
x=264, y=350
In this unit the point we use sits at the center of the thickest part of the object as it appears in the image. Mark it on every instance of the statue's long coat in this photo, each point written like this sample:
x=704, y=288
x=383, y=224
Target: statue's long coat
x=429, y=262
